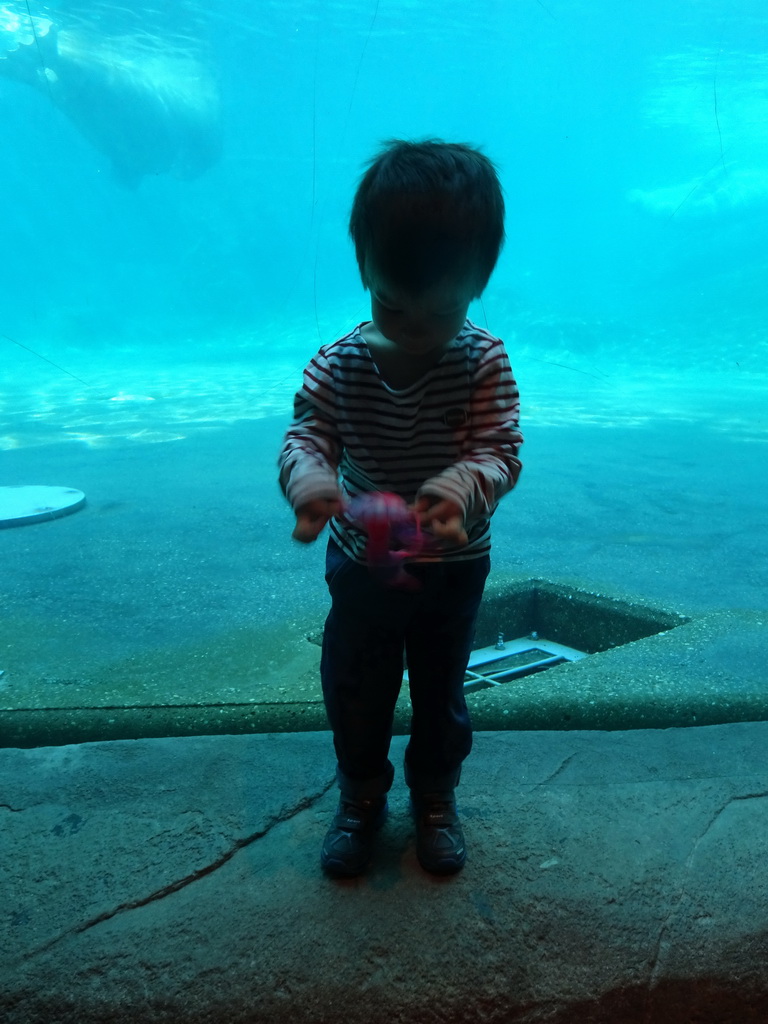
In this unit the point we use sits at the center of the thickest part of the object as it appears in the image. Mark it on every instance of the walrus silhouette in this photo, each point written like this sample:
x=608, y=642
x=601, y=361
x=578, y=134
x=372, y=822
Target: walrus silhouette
x=150, y=110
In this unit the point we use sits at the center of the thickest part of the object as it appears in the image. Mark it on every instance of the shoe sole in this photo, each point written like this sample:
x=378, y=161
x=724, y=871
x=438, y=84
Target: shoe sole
x=443, y=867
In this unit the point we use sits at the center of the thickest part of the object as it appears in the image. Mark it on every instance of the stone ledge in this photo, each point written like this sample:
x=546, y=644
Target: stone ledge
x=706, y=671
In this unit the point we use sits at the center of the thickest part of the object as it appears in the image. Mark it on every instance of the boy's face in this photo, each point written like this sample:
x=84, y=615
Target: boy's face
x=422, y=323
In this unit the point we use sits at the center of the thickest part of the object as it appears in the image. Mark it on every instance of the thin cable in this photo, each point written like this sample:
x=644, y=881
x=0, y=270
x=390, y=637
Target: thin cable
x=357, y=72
x=717, y=116
x=43, y=67
x=696, y=187
x=341, y=148
x=45, y=359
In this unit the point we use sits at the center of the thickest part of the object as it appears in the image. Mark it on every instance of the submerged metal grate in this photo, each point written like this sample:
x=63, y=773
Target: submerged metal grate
x=514, y=659
x=507, y=660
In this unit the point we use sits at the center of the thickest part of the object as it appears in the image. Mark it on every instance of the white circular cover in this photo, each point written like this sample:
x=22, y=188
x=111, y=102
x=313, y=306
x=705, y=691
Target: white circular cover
x=34, y=504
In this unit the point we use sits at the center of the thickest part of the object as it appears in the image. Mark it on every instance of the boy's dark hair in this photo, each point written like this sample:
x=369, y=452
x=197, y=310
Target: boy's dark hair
x=424, y=211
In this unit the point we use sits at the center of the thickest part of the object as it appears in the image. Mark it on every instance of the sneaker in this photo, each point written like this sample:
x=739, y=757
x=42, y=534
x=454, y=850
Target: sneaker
x=439, y=839
x=348, y=844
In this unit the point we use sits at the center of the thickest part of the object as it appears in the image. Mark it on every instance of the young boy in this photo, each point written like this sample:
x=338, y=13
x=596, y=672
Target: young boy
x=420, y=402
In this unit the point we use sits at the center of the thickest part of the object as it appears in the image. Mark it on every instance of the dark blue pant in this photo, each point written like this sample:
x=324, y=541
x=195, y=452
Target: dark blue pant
x=369, y=627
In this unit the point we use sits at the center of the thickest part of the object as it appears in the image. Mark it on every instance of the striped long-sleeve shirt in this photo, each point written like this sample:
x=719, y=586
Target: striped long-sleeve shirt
x=453, y=434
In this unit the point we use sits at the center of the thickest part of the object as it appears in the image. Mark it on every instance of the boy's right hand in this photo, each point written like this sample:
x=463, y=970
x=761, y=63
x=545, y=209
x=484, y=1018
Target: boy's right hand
x=312, y=517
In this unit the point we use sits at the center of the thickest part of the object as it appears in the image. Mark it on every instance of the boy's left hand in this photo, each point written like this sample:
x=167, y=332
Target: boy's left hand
x=442, y=517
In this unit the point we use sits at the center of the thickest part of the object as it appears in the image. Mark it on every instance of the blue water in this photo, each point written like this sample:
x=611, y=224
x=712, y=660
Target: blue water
x=175, y=197
x=631, y=144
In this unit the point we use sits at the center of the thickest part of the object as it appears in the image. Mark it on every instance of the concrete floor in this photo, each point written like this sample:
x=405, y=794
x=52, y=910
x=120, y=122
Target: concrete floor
x=612, y=877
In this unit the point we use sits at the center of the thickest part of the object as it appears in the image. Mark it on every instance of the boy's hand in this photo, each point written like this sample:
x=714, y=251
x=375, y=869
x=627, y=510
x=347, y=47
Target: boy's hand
x=443, y=518
x=312, y=517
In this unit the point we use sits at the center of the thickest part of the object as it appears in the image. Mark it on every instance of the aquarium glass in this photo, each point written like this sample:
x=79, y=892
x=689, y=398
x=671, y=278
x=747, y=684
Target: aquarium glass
x=176, y=179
